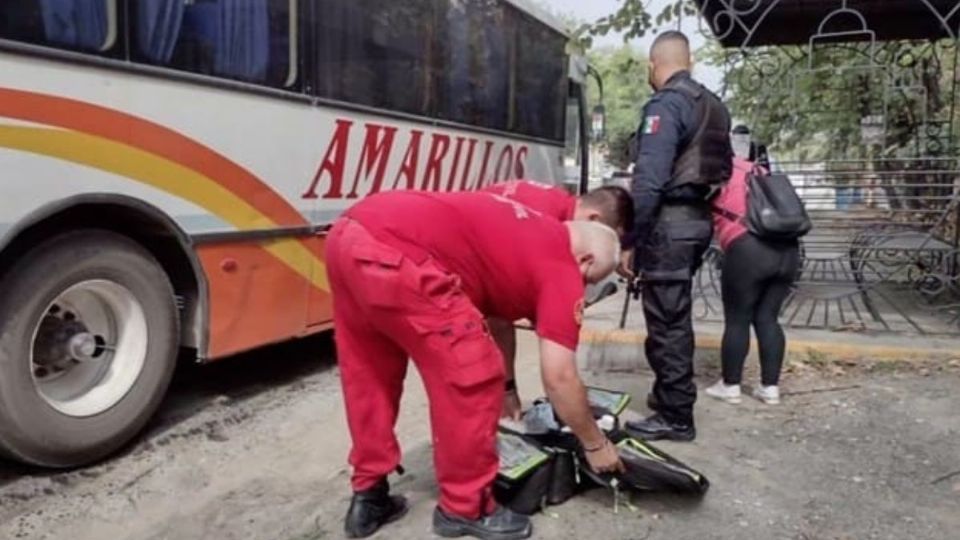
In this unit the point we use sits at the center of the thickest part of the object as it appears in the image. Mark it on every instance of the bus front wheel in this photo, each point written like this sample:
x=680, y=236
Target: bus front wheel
x=88, y=343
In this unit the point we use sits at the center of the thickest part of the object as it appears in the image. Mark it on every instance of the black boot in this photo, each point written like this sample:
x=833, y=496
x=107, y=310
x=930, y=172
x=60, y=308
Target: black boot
x=500, y=525
x=657, y=427
x=372, y=509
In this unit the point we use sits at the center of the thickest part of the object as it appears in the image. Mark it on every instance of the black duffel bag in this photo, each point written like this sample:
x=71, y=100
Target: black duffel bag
x=548, y=468
x=531, y=475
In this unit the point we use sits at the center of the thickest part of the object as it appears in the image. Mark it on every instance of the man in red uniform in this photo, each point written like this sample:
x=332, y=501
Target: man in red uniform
x=414, y=274
x=610, y=205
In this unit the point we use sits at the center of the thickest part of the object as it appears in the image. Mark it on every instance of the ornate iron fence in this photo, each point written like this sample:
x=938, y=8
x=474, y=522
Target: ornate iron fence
x=857, y=101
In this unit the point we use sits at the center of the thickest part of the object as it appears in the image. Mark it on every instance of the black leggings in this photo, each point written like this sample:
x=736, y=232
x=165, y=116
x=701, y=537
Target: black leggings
x=756, y=279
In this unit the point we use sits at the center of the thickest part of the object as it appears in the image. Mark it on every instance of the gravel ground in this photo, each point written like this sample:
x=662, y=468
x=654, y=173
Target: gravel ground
x=254, y=448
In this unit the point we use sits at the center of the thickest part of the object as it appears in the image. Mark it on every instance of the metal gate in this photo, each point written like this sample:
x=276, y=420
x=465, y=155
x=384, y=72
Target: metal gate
x=857, y=101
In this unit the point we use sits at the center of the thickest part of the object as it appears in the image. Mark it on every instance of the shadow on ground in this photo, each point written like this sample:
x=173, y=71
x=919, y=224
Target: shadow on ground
x=197, y=387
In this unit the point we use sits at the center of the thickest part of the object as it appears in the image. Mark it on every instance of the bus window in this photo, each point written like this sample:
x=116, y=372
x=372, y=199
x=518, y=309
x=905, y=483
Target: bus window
x=572, y=152
x=246, y=40
x=84, y=25
x=474, y=59
x=372, y=52
x=541, y=82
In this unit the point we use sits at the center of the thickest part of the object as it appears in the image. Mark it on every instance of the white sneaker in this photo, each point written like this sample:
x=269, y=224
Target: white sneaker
x=767, y=394
x=725, y=392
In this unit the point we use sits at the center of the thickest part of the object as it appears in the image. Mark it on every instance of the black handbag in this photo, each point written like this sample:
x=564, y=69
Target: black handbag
x=650, y=469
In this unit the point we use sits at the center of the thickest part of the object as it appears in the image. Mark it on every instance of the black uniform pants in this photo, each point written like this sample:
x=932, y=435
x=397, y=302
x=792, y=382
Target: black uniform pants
x=668, y=261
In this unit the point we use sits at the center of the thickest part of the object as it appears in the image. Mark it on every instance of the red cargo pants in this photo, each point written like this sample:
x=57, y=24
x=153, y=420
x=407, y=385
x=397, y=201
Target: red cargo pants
x=387, y=308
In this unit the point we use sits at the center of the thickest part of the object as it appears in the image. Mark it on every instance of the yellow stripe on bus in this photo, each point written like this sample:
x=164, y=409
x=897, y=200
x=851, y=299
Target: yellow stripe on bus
x=130, y=162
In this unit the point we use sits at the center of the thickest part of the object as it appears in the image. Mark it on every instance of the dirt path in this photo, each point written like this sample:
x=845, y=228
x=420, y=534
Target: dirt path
x=254, y=449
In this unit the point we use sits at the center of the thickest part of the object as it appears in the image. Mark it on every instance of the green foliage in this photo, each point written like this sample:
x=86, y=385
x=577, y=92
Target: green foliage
x=813, y=108
x=624, y=74
x=634, y=20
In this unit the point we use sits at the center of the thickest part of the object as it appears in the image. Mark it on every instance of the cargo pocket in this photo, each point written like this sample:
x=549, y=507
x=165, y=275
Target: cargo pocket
x=442, y=288
x=680, y=252
x=380, y=267
x=470, y=356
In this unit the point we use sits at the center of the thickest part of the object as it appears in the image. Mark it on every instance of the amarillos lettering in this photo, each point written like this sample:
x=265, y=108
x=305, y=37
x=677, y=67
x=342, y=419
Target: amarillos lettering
x=372, y=157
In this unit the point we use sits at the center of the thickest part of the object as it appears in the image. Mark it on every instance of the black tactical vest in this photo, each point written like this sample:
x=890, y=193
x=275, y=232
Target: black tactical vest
x=707, y=156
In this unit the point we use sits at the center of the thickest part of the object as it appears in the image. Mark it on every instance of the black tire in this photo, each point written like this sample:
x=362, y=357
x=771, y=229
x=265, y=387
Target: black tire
x=31, y=429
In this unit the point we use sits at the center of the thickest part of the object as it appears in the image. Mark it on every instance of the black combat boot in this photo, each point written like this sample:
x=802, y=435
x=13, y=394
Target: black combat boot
x=372, y=509
x=657, y=427
x=503, y=524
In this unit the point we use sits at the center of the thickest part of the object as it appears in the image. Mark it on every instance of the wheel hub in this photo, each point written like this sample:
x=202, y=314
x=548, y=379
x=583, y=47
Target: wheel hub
x=89, y=347
x=63, y=342
x=83, y=346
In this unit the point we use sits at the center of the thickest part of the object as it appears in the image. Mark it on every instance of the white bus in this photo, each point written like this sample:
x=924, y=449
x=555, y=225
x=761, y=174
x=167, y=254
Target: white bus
x=168, y=169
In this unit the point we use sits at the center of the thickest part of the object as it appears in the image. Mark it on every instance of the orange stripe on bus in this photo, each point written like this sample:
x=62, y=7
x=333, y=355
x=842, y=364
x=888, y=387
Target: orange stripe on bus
x=169, y=176
x=290, y=297
x=150, y=137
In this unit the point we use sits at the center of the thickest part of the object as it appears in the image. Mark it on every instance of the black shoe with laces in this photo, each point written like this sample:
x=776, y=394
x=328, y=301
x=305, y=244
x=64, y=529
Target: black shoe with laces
x=503, y=524
x=657, y=428
x=373, y=508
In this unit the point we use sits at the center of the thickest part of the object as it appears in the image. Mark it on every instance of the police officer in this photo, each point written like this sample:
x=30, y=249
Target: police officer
x=683, y=154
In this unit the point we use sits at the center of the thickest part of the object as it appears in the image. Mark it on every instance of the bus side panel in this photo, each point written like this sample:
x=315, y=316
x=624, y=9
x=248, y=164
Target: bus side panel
x=221, y=161
x=254, y=298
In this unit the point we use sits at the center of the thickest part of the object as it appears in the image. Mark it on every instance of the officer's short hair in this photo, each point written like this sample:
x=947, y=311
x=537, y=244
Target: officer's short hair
x=614, y=204
x=670, y=35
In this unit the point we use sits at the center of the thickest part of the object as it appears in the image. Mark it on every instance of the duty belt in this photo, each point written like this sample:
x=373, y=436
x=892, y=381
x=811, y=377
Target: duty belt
x=684, y=211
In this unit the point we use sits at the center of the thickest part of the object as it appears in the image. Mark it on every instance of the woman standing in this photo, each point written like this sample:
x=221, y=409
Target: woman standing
x=757, y=276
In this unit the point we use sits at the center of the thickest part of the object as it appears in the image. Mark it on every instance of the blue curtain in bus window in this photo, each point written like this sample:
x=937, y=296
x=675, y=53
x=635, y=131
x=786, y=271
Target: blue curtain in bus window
x=243, y=44
x=80, y=24
x=199, y=34
x=279, y=47
x=158, y=28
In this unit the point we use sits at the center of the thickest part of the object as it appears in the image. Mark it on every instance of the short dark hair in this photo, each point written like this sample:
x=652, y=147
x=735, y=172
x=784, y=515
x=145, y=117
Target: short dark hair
x=670, y=35
x=614, y=204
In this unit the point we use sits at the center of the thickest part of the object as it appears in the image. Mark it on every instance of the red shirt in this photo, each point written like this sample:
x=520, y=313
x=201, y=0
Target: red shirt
x=549, y=200
x=514, y=262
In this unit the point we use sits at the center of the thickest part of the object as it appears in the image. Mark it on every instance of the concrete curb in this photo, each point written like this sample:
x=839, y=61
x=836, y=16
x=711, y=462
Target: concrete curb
x=795, y=345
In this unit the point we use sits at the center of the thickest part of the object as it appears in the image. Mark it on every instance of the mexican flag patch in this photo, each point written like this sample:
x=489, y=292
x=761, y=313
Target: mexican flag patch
x=651, y=125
